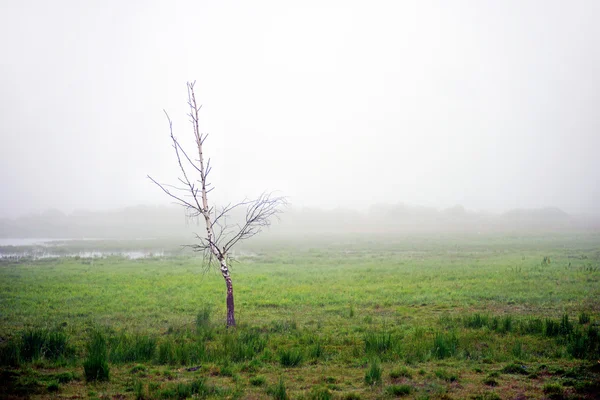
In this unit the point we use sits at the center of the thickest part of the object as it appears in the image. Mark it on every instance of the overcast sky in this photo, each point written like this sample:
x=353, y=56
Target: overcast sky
x=489, y=104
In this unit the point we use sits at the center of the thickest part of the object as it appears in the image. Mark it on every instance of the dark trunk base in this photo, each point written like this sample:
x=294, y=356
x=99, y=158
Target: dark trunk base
x=230, y=308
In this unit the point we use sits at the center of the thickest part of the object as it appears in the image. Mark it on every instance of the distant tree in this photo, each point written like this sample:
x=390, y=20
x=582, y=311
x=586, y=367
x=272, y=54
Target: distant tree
x=192, y=194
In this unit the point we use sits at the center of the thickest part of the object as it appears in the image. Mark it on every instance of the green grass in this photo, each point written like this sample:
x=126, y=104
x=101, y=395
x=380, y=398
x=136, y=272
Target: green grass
x=184, y=390
x=380, y=343
x=320, y=393
x=39, y=343
x=291, y=357
x=95, y=366
x=444, y=345
x=203, y=318
x=434, y=310
x=398, y=390
x=515, y=369
x=373, y=374
x=258, y=380
x=126, y=348
x=278, y=391
x=401, y=372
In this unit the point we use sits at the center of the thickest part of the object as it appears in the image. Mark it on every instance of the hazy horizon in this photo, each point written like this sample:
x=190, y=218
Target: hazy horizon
x=299, y=209
x=488, y=105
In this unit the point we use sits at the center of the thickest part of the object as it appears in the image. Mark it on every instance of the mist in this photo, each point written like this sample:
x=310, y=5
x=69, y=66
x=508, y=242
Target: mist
x=492, y=106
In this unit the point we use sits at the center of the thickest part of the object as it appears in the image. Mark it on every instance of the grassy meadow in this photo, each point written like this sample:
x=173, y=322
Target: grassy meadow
x=352, y=317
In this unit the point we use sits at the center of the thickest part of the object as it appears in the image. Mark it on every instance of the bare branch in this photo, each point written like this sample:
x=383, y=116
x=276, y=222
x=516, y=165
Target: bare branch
x=167, y=191
x=187, y=157
x=185, y=181
x=258, y=216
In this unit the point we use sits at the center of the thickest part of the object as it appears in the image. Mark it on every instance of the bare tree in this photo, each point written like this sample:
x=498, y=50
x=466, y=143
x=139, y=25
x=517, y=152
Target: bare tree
x=192, y=193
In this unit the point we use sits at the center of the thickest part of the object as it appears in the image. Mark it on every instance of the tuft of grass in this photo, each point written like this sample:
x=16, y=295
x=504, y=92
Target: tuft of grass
x=132, y=348
x=165, y=352
x=444, y=345
x=65, y=377
x=180, y=352
x=243, y=346
x=502, y=325
x=398, y=390
x=320, y=393
x=532, y=326
x=95, y=365
x=10, y=354
x=56, y=345
x=584, y=318
x=53, y=386
x=284, y=326
x=379, y=343
x=506, y=325
x=554, y=390
x=476, y=321
x=251, y=366
x=566, y=327
x=138, y=390
x=138, y=368
x=517, y=350
x=170, y=375
x=584, y=343
x=153, y=387
x=181, y=390
x=515, y=369
x=316, y=351
x=373, y=374
x=203, y=318
x=258, y=380
x=490, y=381
x=50, y=344
x=551, y=328
x=226, y=369
x=278, y=391
x=290, y=357
x=401, y=372
x=445, y=375
x=351, y=396
x=32, y=342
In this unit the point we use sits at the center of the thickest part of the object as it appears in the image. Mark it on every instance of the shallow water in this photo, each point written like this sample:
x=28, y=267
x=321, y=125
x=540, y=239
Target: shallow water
x=38, y=255
x=28, y=241
x=40, y=248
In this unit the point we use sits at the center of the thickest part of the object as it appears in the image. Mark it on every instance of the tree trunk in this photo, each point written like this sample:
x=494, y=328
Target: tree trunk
x=230, y=306
x=230, y=309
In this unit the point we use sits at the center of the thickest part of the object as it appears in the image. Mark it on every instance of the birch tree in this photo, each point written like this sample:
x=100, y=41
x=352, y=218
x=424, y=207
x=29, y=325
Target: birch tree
x=191, y=192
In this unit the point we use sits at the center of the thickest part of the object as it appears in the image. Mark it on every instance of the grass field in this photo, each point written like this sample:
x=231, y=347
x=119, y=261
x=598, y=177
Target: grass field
x=353, y=317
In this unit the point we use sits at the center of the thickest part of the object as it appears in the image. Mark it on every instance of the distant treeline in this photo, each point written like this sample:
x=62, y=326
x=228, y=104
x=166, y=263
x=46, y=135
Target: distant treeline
x=160, y=222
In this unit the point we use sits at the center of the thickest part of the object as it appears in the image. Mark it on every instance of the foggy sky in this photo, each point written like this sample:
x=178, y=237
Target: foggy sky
x=489, y=104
